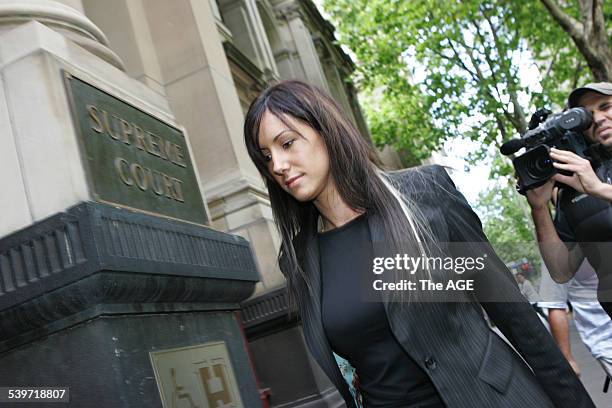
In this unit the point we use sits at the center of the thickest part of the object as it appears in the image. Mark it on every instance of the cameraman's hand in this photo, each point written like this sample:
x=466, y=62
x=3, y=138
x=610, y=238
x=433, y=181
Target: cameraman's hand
x=584, y=179
x=539, y=197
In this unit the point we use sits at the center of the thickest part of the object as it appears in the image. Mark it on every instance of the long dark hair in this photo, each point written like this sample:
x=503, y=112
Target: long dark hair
x=354, y=166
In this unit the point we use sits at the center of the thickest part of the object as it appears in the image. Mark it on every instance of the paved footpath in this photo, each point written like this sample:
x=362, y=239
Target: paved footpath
x=592, y=374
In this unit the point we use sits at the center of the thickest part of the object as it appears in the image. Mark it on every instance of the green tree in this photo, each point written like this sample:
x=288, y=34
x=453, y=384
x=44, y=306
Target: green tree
x=568, y=41
x=584, y=21
x=433, y=69
x=469, y=64
x=507, y=224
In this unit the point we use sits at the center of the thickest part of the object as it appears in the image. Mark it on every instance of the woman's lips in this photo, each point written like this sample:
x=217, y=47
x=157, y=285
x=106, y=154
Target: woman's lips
x=291, y=182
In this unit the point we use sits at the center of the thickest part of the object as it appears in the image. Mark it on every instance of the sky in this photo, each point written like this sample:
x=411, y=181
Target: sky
x=471, y=183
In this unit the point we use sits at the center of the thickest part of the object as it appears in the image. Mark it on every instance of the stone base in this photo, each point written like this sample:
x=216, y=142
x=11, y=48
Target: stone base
x=87, y=295
x=106, y=363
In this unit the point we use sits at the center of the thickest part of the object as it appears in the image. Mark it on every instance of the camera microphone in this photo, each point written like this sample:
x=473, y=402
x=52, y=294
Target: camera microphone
x=512, y=146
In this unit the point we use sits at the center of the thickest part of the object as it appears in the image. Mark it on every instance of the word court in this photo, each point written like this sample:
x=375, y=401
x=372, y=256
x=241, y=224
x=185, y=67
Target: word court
x=134, y=174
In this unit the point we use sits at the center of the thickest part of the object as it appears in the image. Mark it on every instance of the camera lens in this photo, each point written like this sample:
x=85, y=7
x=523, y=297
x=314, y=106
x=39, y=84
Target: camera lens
x=540, y=167
x=534, y=167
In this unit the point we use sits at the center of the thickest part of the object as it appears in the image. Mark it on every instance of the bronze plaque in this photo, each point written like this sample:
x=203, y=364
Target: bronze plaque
x=133, y=158
x=198, y=376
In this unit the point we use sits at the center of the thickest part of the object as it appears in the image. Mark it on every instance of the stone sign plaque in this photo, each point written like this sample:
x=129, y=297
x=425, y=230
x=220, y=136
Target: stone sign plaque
x=199, y=376
x=133, y=158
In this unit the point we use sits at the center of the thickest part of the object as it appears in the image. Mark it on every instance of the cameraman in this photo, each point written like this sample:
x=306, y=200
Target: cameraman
x=582, y=227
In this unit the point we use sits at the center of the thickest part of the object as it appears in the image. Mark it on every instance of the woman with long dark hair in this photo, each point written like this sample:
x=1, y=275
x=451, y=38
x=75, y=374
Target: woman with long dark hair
x=342, y=221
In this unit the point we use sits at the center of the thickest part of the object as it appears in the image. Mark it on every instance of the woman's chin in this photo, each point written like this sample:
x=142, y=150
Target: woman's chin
x=302, y=196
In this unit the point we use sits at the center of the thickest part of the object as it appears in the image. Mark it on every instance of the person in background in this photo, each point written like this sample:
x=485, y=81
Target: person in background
x=582, y=227
x=592, y=322
x=526, y=288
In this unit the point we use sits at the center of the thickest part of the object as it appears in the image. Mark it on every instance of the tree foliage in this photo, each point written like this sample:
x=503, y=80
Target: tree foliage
x=584, y=21
x=568, y=42
x=433, y=69
x=506, y=221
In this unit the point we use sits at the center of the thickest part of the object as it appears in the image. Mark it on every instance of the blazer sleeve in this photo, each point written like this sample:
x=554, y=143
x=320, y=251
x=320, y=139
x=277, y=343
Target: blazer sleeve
x=498, y=293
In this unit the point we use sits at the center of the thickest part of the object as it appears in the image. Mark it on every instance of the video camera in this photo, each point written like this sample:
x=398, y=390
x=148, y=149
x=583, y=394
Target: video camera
x=562, y=130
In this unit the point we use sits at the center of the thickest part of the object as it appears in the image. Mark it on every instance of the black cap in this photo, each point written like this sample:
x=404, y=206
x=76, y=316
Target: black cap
x=604, y=88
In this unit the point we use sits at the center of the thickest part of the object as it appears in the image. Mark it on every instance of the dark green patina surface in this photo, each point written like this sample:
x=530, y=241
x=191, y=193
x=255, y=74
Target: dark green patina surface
x=132, y=158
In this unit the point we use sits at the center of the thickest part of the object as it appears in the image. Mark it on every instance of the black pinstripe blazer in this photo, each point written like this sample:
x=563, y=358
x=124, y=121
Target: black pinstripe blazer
x=469, y=365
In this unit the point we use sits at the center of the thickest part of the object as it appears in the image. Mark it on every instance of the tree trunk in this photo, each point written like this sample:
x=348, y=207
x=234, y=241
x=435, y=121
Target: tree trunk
x=589, y=35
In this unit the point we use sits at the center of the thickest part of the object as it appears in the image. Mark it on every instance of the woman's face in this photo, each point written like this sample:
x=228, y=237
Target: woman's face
x=297, y=159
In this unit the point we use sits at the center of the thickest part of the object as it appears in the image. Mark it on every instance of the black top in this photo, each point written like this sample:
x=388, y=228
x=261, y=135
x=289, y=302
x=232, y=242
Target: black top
x=587, y=221
x=584, y=218
x=359, y=331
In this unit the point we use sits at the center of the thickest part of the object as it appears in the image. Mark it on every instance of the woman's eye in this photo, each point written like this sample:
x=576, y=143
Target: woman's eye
x=288, y=144
x=266, y=156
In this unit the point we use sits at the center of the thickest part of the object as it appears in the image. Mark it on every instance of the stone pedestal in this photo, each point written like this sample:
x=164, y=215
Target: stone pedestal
x=123, y=307
x=124, y=303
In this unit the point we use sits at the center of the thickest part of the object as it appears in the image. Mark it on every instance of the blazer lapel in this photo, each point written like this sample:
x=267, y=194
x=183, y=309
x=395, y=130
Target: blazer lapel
x=399, y=320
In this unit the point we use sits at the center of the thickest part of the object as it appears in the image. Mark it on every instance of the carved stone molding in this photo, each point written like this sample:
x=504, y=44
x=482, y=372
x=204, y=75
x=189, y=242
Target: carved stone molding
x=61, y=18
x=268, y=313
x=288, y=11
x=96, y=259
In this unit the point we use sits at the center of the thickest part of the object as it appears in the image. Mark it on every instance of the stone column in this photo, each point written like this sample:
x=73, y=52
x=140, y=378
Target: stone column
x=129, y=35
x=199, y=85
x=357, y=112
x=32, y=133
x=64, y=19
x=248, y=32
x=290, y=11
x=75, y=4
x=101, y=269
x=336, y=84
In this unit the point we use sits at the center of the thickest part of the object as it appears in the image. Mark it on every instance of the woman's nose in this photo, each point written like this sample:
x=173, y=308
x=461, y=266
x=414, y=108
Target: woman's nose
x=280, y=164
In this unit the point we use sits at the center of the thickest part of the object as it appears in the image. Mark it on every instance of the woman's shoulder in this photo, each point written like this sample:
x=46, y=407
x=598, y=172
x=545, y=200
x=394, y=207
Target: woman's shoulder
x=422, y=179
